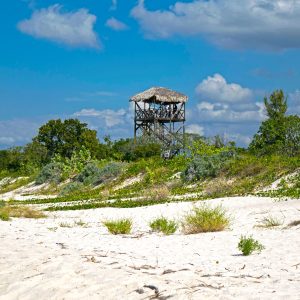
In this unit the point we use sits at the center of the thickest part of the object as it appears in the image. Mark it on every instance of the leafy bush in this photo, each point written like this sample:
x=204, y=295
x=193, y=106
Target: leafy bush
x=52, y=173
x=205, y=219
x=205, y=166
x=248, y=245
x=164, y=225
x=121, y=226
x=70, y=188
x=75, y=164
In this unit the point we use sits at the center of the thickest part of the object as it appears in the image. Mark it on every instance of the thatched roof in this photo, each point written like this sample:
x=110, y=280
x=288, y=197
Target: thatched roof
x=159, y=94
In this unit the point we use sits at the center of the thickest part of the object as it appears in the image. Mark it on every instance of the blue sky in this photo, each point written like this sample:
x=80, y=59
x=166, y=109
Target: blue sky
x=85, y=58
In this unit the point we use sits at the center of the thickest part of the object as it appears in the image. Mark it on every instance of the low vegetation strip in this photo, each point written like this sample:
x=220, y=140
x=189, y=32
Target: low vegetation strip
x=118, y=204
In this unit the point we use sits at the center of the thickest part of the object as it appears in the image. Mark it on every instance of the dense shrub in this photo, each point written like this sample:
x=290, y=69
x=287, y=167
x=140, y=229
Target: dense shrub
x=205, y=166
x=205, y=219
x=52, y=173
x=248, y=245
x=130, y=150
x=92, y=174
x=70, y=188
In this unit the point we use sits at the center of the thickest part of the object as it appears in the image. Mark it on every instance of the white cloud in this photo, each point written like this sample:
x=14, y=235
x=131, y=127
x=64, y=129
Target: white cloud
x=216, y=88
x=110, y=117
x=227, y=109
x=264, y=24
x=195, y=128
x=75, y=29
x=116, y=25
x=227, y=102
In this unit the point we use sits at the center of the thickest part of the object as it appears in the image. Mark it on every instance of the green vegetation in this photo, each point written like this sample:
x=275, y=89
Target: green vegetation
x=205, y=219
x=164, y=225
x=279, y=134
x=8, y=211
x=121, y=226
x=247, y=245
x=4, y=214
x=85, y=172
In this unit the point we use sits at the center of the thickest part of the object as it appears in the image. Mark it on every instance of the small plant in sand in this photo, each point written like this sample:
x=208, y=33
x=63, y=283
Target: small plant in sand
x=121, y=226
x=163, y=225
x=205, y=219
x=270, y=221
x=80, y=223
x=65, y=225
x=20, y=212
x=248, y=245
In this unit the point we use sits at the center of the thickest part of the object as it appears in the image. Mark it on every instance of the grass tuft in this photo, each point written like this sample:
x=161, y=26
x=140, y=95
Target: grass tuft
x=65, y=225
x=121, y=226
x=247, y=245
x=163, y=225
x=205, y=219
x=80, y=223
x=270, y=221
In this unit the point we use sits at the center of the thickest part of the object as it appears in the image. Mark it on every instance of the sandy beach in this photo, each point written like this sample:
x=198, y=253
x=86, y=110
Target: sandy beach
x=43, y=259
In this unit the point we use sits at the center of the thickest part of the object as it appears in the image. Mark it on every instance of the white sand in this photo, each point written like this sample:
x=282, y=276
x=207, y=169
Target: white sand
x=41, y=260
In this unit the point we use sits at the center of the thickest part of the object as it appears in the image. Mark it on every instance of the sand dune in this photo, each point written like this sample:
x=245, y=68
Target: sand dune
x=39, y=259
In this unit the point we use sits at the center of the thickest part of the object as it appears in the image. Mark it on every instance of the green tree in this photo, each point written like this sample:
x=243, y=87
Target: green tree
x=276, y=105
x=292, y=135
x=279, y=133
x=65, y=137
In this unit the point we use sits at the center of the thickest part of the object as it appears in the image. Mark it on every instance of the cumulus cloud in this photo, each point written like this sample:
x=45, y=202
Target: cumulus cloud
x=227, y=109
x=227, y=102
x=264, y=24
x=75, y=29
x=216, y=88
x=116, y=25
x=109, y=117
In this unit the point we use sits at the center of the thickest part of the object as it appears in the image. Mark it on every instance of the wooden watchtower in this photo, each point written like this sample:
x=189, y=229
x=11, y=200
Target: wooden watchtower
x=160, y=114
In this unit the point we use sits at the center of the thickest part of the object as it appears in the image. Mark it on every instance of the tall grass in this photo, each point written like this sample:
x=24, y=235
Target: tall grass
x=163, y=225
x=205, y=219
x=121, y=226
